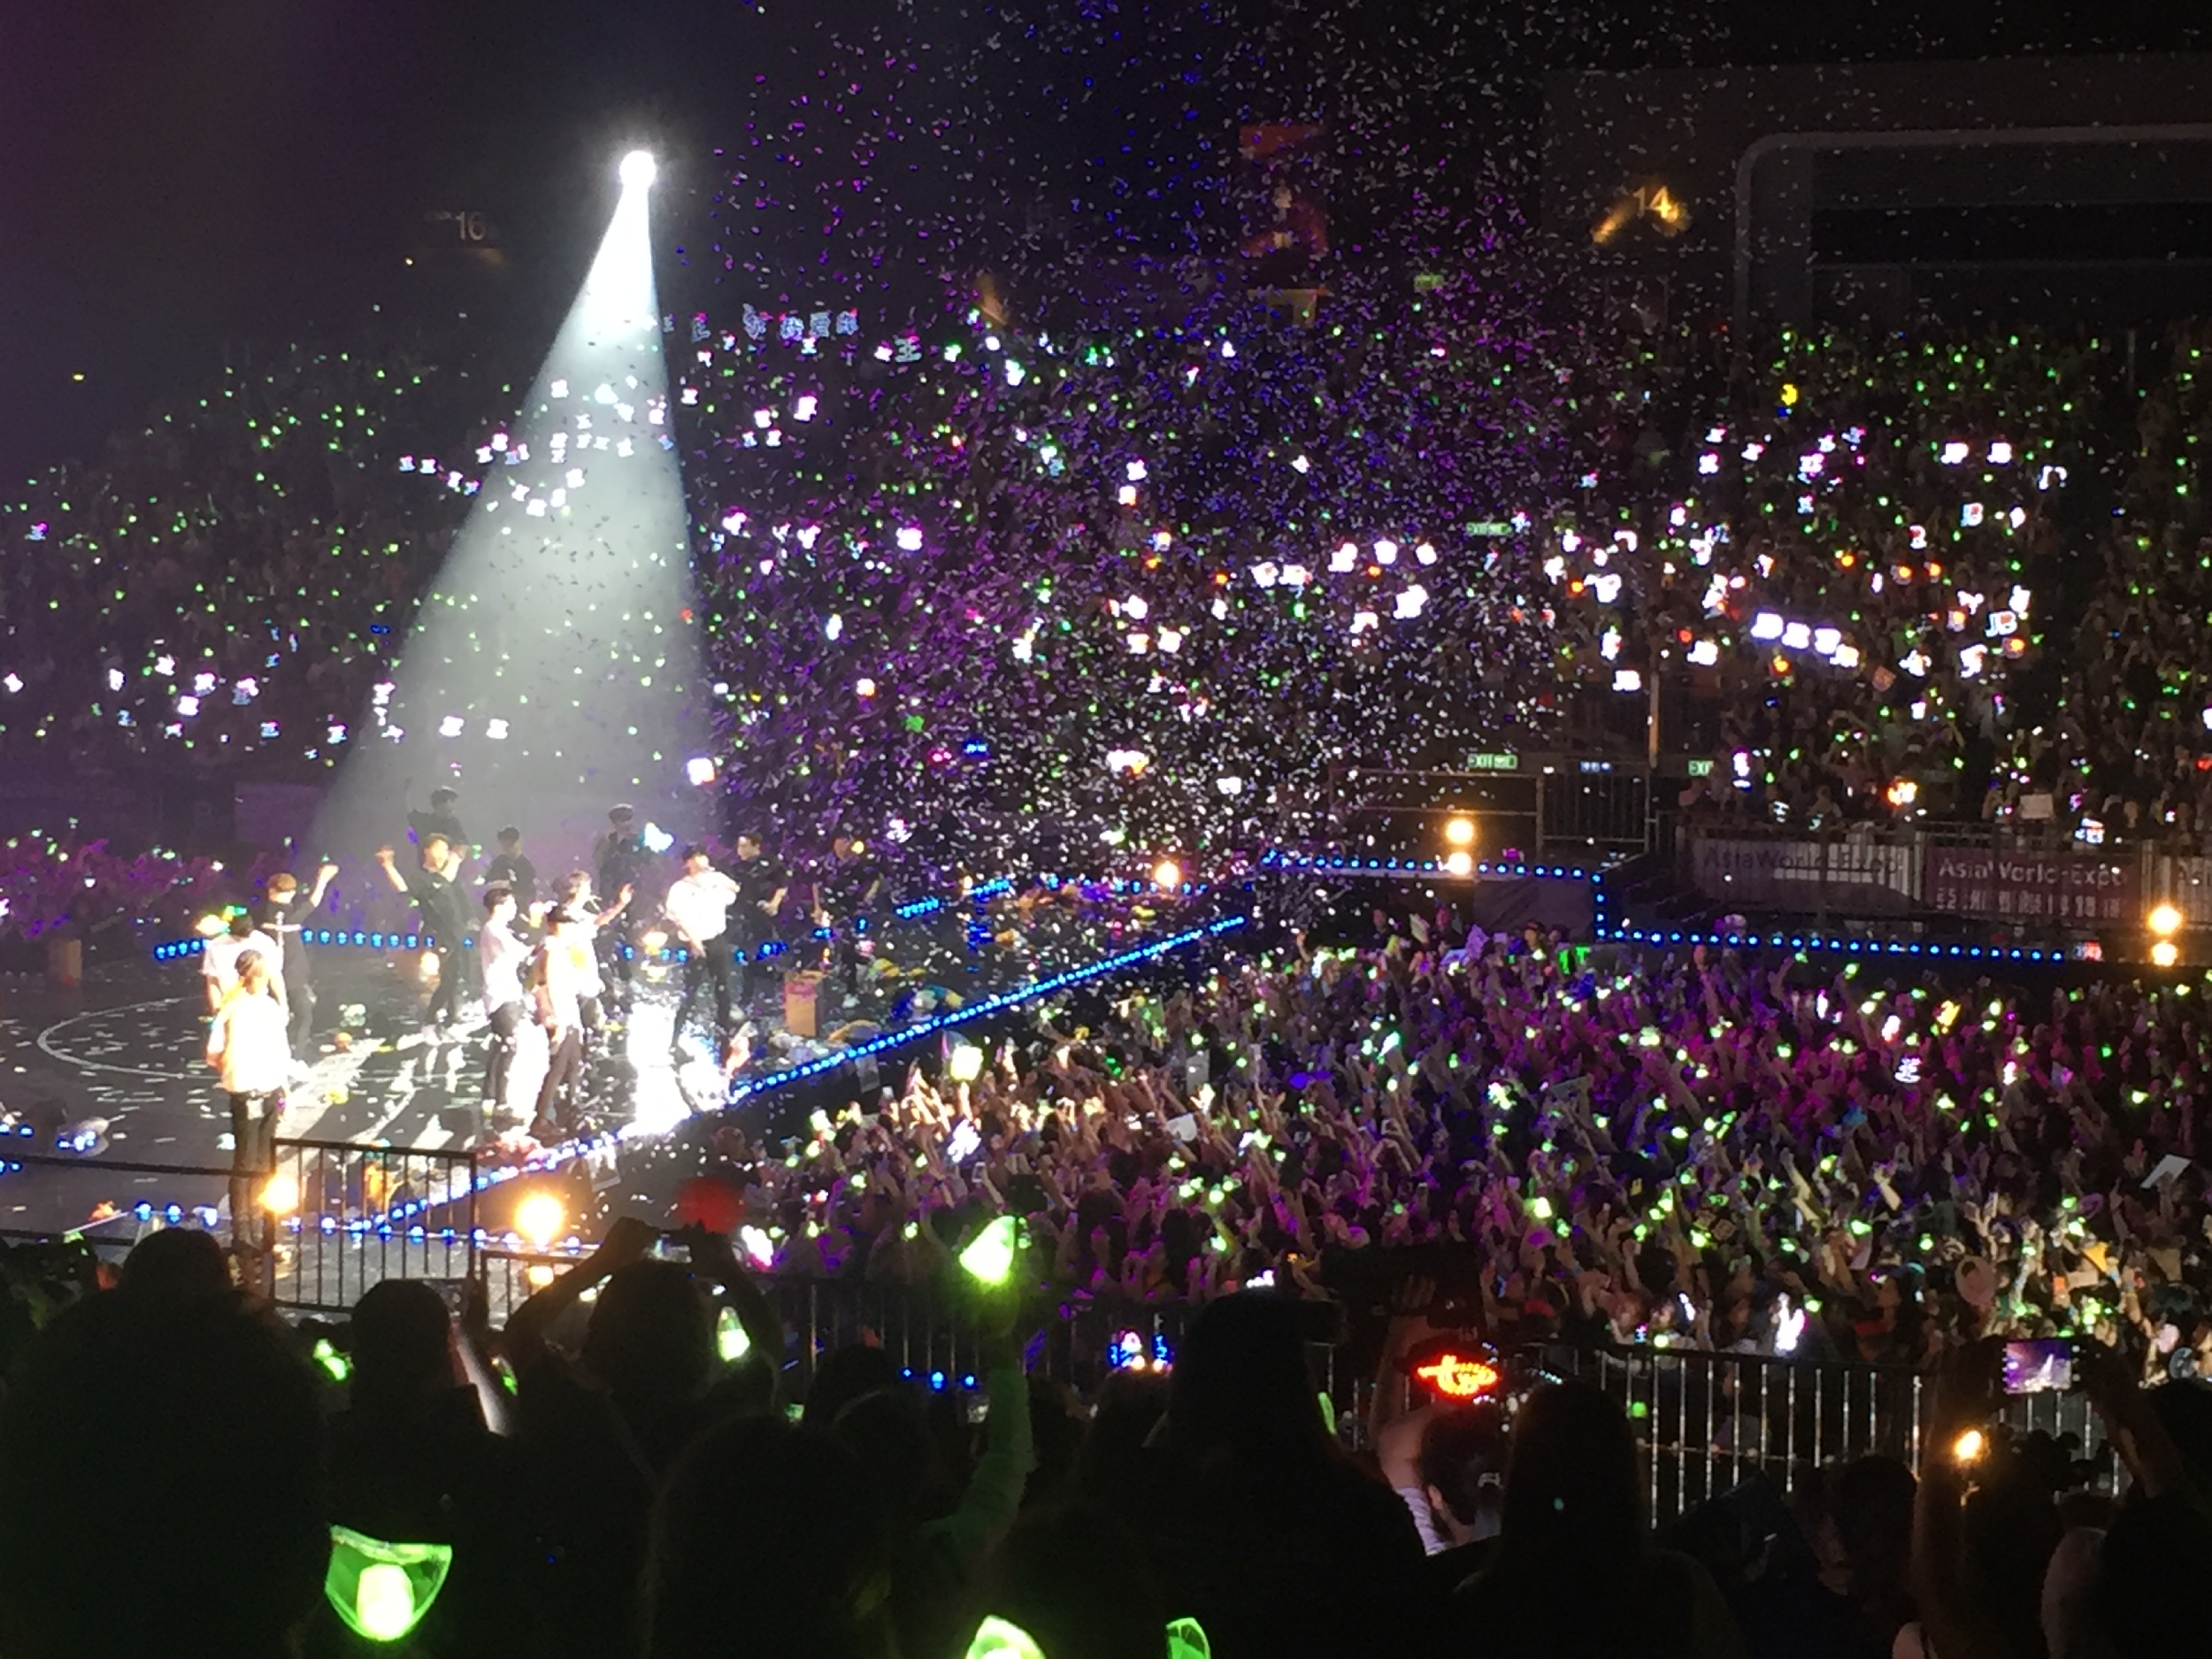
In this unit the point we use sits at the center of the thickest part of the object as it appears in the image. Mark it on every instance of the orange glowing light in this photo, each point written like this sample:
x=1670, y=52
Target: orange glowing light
x=1457, y=1377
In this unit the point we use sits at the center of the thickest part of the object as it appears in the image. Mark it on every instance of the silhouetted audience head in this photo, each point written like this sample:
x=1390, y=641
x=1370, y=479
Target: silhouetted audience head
x=1570, y=1492
x=890, y=1432
x=1240, y=1383
x=1076, y=1579
x=1129, y=1407
x=767, y=1541
x=841, y=1377
x=159, y=1485
x=176, y=1263
x=402, y=1353
x=651, y=1336
x=1461, y=1463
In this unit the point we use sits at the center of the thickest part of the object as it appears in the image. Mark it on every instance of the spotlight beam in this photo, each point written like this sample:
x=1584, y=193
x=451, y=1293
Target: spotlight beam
x=551, y=671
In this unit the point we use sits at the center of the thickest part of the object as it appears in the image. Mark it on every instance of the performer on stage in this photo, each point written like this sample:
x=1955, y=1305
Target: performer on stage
x=847, y=886
x=618, y=866
x=560, y=972
x=444, y=917
x=761, y=884
x=514, y=870
x=439, y=821
x=587, y=911
x=281, y=911
x=219, y=956
x=504, y=958
x=247, y=1048
x=698, y=909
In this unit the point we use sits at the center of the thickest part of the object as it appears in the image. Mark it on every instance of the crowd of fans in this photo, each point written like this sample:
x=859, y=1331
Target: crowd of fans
x=968, y=587
x=1698, y=1152
x=642, y=1460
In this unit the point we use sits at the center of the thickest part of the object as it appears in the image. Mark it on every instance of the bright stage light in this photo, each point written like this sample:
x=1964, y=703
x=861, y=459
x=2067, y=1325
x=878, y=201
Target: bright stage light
x=280, y=1195
x=965, y=1063
x=2165, y=920
x=639, y=170
x=2164, y=954
x=1167, y=875
x=539, y=1218
x=1969, y=1447
x=1459, y=832
x=1459, y=862
x=700, y=770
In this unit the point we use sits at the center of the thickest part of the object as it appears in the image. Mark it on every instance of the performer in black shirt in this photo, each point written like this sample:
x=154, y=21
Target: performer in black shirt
x=444, y=916
x=618, y=865
x=515, y=871
x=439, y=821
x=761, y=884
x=282, y=911
x=844, y=891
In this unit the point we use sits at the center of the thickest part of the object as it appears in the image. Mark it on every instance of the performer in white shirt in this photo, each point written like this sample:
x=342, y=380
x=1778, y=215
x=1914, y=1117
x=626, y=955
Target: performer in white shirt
x=504, y=957
x=219, y=959
x=248, y=1047
x=698, y=908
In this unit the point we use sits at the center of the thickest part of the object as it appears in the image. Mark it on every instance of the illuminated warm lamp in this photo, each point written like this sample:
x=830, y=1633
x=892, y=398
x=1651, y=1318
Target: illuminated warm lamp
x=1167, y=875
x=539, y=1217
x=429, y=968
x=2165, y=920
x=540, y=1274
x=209, y=926
x=989, y=1260
x=382, y=1591
x=281, y=1195
x=1459, y=862
x=1459, y=832
x=964, y=1064
x=654, y=939
x=1457, y=1377
x=1969, y=1447
x=2164, y=954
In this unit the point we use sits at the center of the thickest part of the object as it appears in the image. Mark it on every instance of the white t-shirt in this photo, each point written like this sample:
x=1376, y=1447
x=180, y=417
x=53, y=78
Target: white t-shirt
x=247, y=1044
x=700, y=905
x=219, y=958
x=504, y=956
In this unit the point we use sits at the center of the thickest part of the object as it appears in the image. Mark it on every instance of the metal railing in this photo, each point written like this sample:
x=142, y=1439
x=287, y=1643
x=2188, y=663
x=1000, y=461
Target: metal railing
x=362, y=1214
x=1704, y=1421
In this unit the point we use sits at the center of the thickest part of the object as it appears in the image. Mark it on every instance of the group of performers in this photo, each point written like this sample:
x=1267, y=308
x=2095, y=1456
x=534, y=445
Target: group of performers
x=552, y=968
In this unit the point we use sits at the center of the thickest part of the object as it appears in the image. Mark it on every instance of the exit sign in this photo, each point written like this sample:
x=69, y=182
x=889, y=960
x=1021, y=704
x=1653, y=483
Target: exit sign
x=1496, y=763
x=1490, y=526
x=1700, y=769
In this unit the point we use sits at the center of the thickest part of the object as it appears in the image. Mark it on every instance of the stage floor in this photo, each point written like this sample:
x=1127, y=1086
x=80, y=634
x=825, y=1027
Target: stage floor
x=124, y=1056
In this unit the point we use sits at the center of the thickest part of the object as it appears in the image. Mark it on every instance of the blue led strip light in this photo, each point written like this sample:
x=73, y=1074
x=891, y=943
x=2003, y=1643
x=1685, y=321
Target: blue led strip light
x=1332, y=864
x=989, y=1005
x=1848, y=947
x=394, y=1222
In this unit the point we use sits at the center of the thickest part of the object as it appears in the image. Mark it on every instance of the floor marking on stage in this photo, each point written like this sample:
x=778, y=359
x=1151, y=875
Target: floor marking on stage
x=45, y=1042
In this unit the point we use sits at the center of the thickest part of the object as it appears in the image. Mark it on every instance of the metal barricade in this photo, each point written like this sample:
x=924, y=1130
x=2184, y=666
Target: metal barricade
x=1704, y=1421
x=347, y=1216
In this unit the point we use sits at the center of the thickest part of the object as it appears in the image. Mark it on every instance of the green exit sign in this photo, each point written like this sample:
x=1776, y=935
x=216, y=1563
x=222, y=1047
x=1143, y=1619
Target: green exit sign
x=1700, y=769
x=1496, y=763
x=1490, y=526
